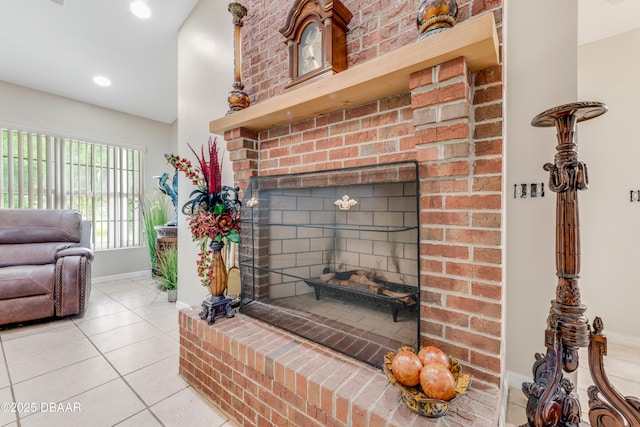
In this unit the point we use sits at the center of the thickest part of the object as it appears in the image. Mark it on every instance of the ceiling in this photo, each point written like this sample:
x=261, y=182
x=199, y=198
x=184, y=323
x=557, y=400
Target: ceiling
x=57, y=46
x=600, y=19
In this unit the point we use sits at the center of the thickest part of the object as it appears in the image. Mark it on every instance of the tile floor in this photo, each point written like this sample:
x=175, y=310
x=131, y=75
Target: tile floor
x=116, y=365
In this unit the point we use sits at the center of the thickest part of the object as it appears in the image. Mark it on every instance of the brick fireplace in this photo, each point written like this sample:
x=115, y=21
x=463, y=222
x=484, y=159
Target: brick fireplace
x=438, y=105
x=345, y=276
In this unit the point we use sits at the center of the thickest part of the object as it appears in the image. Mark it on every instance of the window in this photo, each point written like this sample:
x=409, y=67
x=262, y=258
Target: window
x=101, y=181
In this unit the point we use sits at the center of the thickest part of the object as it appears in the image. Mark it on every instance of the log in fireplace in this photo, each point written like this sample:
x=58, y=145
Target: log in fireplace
x=333, y=256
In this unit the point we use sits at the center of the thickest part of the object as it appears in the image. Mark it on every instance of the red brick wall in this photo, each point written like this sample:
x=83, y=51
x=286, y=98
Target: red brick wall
x=262, y=376
x=450, y=121
x=377, y=27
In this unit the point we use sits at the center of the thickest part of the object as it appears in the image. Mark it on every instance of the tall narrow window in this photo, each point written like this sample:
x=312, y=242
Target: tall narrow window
x=101, y=181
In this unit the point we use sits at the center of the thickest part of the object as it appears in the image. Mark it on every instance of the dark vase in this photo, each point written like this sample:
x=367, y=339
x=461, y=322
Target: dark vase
x=435, y=16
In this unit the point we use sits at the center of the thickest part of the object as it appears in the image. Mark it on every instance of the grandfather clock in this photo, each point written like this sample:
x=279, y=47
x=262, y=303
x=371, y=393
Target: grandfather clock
x=316, y=33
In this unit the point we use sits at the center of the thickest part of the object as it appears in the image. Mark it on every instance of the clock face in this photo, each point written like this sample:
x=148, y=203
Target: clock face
x=310, y=49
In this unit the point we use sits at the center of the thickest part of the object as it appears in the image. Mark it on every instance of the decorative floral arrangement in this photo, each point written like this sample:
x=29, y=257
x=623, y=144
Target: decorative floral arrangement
x=212, y=209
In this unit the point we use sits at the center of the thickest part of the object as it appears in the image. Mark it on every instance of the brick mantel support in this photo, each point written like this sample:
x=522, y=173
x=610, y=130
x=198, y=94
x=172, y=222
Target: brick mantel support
x=460, y=217
x=242, y=145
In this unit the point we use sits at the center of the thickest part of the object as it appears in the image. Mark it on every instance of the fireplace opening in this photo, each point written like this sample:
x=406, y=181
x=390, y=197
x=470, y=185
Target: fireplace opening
x=332, y=256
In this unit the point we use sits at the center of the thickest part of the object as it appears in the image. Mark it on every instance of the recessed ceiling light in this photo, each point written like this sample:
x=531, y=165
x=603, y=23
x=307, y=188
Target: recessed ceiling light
x=101, y=81
x=140, y=9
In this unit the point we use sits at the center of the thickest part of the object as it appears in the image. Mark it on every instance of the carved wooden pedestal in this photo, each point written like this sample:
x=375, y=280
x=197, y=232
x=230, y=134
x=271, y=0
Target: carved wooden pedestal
x=551, y=401
x=213, y=307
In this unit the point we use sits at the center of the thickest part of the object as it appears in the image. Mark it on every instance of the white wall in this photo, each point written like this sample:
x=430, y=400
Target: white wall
x=205, y=77
x=608, y=72
x=29, y=109
x=540, y=67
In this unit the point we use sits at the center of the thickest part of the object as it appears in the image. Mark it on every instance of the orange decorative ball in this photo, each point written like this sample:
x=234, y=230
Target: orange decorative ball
x=437, y=382
x=406, y=367
x=430, y=354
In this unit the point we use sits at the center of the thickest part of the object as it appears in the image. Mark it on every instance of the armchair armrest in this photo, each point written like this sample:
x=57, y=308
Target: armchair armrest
x=85, y=233
x=72, y=280
x=78, y=251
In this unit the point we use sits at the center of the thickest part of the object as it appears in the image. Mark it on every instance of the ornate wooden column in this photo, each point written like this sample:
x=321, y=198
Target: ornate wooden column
x=238, y=98
x=551, y=401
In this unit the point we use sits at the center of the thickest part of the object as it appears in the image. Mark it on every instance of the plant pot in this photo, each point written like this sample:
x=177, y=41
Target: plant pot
x=172, y=295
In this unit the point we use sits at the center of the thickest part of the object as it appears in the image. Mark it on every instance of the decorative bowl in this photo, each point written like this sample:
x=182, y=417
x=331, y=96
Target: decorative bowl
x=415, y=398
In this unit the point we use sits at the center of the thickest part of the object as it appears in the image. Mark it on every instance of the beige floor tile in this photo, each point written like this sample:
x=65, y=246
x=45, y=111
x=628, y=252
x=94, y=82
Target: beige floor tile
x=41, y=341
x=35, y=364
x=107, y=323
x=141, y=301
x=105, y=405
x=73, y=369
x=65, y=383
x=124, y=336
x=158, y=381
x=118, y=286
x=174, y=333
x=102, y=308
x=188, y=408
x=144, y=280
x=517, y=397
x=165, y=322
x=619, y=351
x=137, y=291
x=104, y=285
x=142, y=353
x=160, y=309
x=7, y=413
x=98, y=296
x=622, y=368
x=141, y=419
x=4, y=376
x=34, y=328
x=516, y=414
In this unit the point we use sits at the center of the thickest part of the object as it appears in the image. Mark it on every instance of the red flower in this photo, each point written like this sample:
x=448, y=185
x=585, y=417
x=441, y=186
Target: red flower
x=225, y=223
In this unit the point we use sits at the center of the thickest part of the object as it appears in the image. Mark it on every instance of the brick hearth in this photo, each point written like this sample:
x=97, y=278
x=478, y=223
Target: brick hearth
x=264, y=376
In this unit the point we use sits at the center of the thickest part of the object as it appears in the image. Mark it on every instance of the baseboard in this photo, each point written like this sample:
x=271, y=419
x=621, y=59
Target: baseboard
x=182, y=305
x=515, y=380
x=504, y=404
x=131, y=275
x=620, y=339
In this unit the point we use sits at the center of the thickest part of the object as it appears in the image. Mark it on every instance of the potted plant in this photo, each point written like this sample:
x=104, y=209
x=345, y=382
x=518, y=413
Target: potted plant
x=167, y=272
x=155, y=212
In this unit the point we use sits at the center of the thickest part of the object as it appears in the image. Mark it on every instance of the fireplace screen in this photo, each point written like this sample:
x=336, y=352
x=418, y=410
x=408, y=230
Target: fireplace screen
x=333, y=256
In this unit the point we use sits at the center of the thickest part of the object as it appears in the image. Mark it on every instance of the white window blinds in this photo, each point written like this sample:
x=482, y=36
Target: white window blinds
x=101, y=181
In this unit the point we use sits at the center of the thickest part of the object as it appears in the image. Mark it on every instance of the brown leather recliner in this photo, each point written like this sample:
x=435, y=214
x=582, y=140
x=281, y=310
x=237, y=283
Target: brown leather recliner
x=44, y=264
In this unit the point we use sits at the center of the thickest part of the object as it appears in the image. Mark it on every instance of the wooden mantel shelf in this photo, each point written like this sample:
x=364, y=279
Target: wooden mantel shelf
x=475, y=39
